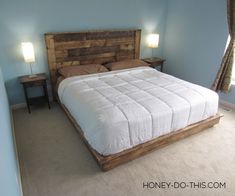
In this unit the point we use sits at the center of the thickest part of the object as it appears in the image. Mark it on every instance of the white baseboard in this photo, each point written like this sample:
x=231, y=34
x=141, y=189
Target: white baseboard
x=227, y=105
x=18, y=106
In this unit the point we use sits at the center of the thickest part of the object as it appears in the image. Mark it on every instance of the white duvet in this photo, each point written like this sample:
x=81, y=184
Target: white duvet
x=121, y=109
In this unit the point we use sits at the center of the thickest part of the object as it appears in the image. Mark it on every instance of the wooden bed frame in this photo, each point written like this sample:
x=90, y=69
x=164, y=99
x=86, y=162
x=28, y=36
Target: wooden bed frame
x=80, y=48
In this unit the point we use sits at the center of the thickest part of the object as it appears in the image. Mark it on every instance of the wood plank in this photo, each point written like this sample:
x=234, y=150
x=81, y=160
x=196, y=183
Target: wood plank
x=92, y=51
x=67, y=37
x=125, y=57
x=119, y=41
x=102, y=60
x=93, y=35
x=68, y=63
x=86, y=57
x=61, y=53
x=78, y=44
x=127, y=47
x=51, y=61
x=125, y=53
x=72, y=44
x=137, y=44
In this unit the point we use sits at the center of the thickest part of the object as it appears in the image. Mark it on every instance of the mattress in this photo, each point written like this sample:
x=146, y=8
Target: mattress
x=118, y=110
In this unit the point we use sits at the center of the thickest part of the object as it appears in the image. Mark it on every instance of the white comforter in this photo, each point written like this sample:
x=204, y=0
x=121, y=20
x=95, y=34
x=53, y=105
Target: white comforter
x=120, y=109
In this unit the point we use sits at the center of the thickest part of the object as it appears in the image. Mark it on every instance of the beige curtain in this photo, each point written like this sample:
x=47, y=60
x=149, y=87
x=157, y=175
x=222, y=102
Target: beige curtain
x=224, y=75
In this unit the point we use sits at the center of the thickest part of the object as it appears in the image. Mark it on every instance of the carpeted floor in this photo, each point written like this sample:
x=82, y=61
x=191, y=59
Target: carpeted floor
x=55, y=162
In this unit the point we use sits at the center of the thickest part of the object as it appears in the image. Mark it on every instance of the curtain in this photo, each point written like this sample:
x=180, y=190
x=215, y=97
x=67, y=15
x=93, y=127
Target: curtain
x=224, y=75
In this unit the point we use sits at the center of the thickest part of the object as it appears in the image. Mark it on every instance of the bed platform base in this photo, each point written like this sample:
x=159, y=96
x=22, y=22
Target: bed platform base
x=111, y=161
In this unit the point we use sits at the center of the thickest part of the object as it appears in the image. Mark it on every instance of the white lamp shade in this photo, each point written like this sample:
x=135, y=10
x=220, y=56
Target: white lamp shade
x=28, y=52
x=153, y=40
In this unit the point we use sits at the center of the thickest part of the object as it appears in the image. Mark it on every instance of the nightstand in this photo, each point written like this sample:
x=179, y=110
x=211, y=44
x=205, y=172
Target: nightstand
x=154, y=62
x=39, y=81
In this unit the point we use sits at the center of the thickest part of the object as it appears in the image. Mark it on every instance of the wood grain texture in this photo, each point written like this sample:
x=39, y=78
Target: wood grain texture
x=81, y=48
x=111, y=161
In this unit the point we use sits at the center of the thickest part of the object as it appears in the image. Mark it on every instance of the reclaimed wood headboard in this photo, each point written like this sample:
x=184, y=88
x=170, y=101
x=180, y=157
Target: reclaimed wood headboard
x=81, y=48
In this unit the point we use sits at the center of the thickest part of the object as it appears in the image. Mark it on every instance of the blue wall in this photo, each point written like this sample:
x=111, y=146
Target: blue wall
x=9, y=174
x=196, y=35
x=193, y=33
x=29, y=19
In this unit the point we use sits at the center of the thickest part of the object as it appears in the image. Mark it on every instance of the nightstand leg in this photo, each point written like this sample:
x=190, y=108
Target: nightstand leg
x=161, y=67
x=46, y=95
x=27, y=99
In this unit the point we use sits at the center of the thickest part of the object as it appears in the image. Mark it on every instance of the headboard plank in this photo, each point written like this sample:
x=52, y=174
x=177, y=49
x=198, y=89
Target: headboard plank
x=80, y=48
x=137, y=44
x=51, y=61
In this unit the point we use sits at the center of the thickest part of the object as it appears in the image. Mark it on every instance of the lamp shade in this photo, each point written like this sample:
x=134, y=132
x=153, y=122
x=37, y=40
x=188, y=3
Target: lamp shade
x=28, y=52
x=153, y=40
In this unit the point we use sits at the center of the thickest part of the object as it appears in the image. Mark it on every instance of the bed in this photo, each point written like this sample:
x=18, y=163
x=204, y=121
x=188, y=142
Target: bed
x=124, y=114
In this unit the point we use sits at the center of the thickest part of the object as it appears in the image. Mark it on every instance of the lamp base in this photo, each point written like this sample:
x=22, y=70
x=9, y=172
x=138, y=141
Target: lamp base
x=33, y=76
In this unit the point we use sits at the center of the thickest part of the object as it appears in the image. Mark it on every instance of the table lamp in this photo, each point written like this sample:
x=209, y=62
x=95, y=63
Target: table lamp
x=29, y=57
x=153, y=41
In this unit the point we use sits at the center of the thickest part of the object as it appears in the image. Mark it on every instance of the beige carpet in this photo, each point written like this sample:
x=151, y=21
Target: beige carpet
x=55, y=162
